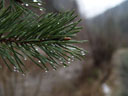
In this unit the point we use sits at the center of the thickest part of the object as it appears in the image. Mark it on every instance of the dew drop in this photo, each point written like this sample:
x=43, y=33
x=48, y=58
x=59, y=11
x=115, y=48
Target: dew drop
x=72, y=58
x=37, y=49
x=9, y=45
x=61, y=62
x=69, y=62
x=25, y=58
x=69, y=59
x=39, y=4
x=64, y=66
x=43, y=39
x=54, y=66
x=35, y=1
x=18, y=39
x=38, y=25
x=23, y=74
x=53, y=45
x=54, y=69
x=83, y=53
x=2, y=36
x=71, y=22
x=14, y=67
x=39, y=61
x=26, y=4
x=51, y=51
x=51, y=62
x=46, y=71
x=60, y=58
x=41, y=9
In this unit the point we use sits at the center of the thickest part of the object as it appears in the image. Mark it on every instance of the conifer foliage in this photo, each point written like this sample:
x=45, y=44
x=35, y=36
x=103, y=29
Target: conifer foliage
x=46, y=37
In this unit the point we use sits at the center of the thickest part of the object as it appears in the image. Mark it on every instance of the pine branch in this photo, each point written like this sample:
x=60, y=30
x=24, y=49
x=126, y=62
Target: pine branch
x=26, y=35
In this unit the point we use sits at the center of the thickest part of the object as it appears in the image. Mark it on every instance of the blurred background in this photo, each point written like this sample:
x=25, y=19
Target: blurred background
x=103, y=72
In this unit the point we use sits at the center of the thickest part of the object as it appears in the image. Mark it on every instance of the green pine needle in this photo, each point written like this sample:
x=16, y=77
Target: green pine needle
x=48, y=38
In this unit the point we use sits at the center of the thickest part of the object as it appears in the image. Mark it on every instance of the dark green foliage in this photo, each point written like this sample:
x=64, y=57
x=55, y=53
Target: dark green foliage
x=22, y=32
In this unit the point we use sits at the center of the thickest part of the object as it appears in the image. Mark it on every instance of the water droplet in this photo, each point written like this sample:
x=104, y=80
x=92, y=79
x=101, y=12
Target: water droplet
x=69, y=59
x=37, y=49
x=14, y=70
x=26, y=4
x=18, y=38
x=38, y=25
x=83, y=53
x=71, y=22
x=41, y=9
x=61, y=62
x=64, y=66
x=51, y=51
x=58, y=23
x=14, y=67
x=60, y=58
x=54, y=69
x=46, y=71
x=25, y=58
x=35, y=1
x=2, y=36
x=23, y=74
x=53, y=45
x=43, y=39
x=9, y=45
x=72, y=58
x=39, y=61
x=51, y=62
x=69, y=62
x=39, y=4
